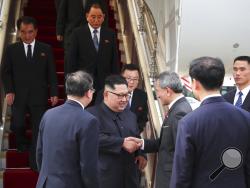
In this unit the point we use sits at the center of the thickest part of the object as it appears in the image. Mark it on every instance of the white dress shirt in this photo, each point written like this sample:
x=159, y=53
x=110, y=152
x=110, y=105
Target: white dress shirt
x=26, y=47
x=244, y=91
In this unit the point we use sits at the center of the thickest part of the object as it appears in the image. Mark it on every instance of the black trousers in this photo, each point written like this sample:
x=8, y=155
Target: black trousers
x=18, y=125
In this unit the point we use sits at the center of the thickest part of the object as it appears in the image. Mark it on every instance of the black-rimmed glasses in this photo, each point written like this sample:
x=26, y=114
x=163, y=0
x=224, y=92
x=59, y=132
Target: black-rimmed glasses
x=121, y=96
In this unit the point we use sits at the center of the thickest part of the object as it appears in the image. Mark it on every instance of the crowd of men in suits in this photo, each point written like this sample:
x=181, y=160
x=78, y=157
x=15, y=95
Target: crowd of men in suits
x=101, y=146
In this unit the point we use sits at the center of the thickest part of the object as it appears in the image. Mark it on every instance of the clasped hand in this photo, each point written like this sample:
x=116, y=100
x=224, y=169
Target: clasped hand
x=131, y=144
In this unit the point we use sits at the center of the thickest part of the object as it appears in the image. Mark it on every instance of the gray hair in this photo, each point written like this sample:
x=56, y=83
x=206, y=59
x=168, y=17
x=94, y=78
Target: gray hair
x=78, y=83
x=170, y=80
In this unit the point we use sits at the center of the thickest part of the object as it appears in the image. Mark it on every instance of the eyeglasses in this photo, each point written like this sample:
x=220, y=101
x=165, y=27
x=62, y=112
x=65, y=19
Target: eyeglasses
x=132, y=79
x=92, y=89
x=121, y=96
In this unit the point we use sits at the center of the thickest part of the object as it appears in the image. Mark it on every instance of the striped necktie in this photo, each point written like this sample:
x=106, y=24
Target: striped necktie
x=95, y=40
x=239, y=101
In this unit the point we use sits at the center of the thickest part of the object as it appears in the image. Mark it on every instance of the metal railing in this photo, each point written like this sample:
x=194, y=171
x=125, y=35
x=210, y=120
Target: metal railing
x=9, y=13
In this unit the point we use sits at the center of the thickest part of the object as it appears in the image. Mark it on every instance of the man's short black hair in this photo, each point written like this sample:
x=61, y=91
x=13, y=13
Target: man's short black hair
x=94, y=4
x=113, y=80
x=131, y=67
x=242, y=58
x=26, y=20
x=208, y=71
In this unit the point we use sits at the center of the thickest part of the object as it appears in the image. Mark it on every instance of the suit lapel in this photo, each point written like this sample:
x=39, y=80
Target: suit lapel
x=134, y=99
x=21, y=51
x=102, y=37
x=36, y=51
x=90, y=40
x=246, y=104
x=231, y=96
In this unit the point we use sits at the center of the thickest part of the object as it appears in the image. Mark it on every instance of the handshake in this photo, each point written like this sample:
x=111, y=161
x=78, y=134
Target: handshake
x=131, y=144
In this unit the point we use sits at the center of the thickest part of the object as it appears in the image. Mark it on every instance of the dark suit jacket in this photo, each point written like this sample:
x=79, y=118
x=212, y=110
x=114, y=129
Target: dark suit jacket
x=229, y=96
x=67, y=148
x=117, y=167
x=83, y=55
x=29, y=80
x=203, y=135
x=165, y=145
x=139, y=106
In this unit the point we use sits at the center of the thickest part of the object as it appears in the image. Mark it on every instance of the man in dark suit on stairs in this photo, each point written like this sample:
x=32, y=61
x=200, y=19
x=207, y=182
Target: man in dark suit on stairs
x=28, y=68
x=169, y=90
x=93, y=48
x=240, y=96
x=70, y=15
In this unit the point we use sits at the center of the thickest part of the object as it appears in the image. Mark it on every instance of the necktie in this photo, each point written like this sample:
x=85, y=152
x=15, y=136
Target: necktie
x=95, y=40
x=239, y=101
x=29, y=53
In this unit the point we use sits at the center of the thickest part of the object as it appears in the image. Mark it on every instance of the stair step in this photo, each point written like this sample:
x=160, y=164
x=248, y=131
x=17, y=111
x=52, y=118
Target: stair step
x=50, y=40
x=58, y=53
x=15, y=159
x=19, y=178
x=46, y=30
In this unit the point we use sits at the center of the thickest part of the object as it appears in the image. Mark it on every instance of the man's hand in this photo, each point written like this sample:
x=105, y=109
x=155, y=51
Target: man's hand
x=134, y=139
x=130, y=146
x=10, y=97
x=59, y=38
x=54, y=100
x=141, y=161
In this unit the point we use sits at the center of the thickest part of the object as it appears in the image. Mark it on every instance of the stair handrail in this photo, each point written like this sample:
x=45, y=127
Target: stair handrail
x=9, y=13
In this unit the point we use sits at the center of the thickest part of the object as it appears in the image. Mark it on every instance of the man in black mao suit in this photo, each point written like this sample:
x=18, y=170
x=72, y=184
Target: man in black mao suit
x=138, y=100
x=95, y=53
x=241, y=74
x=169, y=90
x=117, y=159
x=70, y=15
x=28, y=68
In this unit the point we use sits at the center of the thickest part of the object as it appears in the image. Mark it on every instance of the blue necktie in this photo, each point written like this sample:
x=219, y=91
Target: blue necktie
x=239, y=101
x=95, y=40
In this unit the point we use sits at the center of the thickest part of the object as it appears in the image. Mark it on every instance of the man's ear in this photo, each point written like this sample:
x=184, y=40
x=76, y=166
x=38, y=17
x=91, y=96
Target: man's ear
x=196, y=84
x=89, y=94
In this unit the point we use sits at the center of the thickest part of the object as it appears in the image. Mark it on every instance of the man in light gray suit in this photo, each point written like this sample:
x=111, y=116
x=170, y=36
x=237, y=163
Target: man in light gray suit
x=169, y=90
x=67, y=148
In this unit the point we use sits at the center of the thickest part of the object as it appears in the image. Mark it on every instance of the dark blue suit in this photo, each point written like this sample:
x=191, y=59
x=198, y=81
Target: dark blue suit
x=67, y=148
x=202, y=137
x=117, y=166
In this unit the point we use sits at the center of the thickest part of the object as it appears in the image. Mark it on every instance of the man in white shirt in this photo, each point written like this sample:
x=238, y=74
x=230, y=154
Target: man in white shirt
x=240, y=96
x=93, y=48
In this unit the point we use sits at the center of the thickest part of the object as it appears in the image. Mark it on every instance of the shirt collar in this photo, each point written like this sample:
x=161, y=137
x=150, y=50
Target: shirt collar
x=77, y=102
x=32, y=44
x=208, y=96
x=174, y=101
x=244, y=91
x=92, y=29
